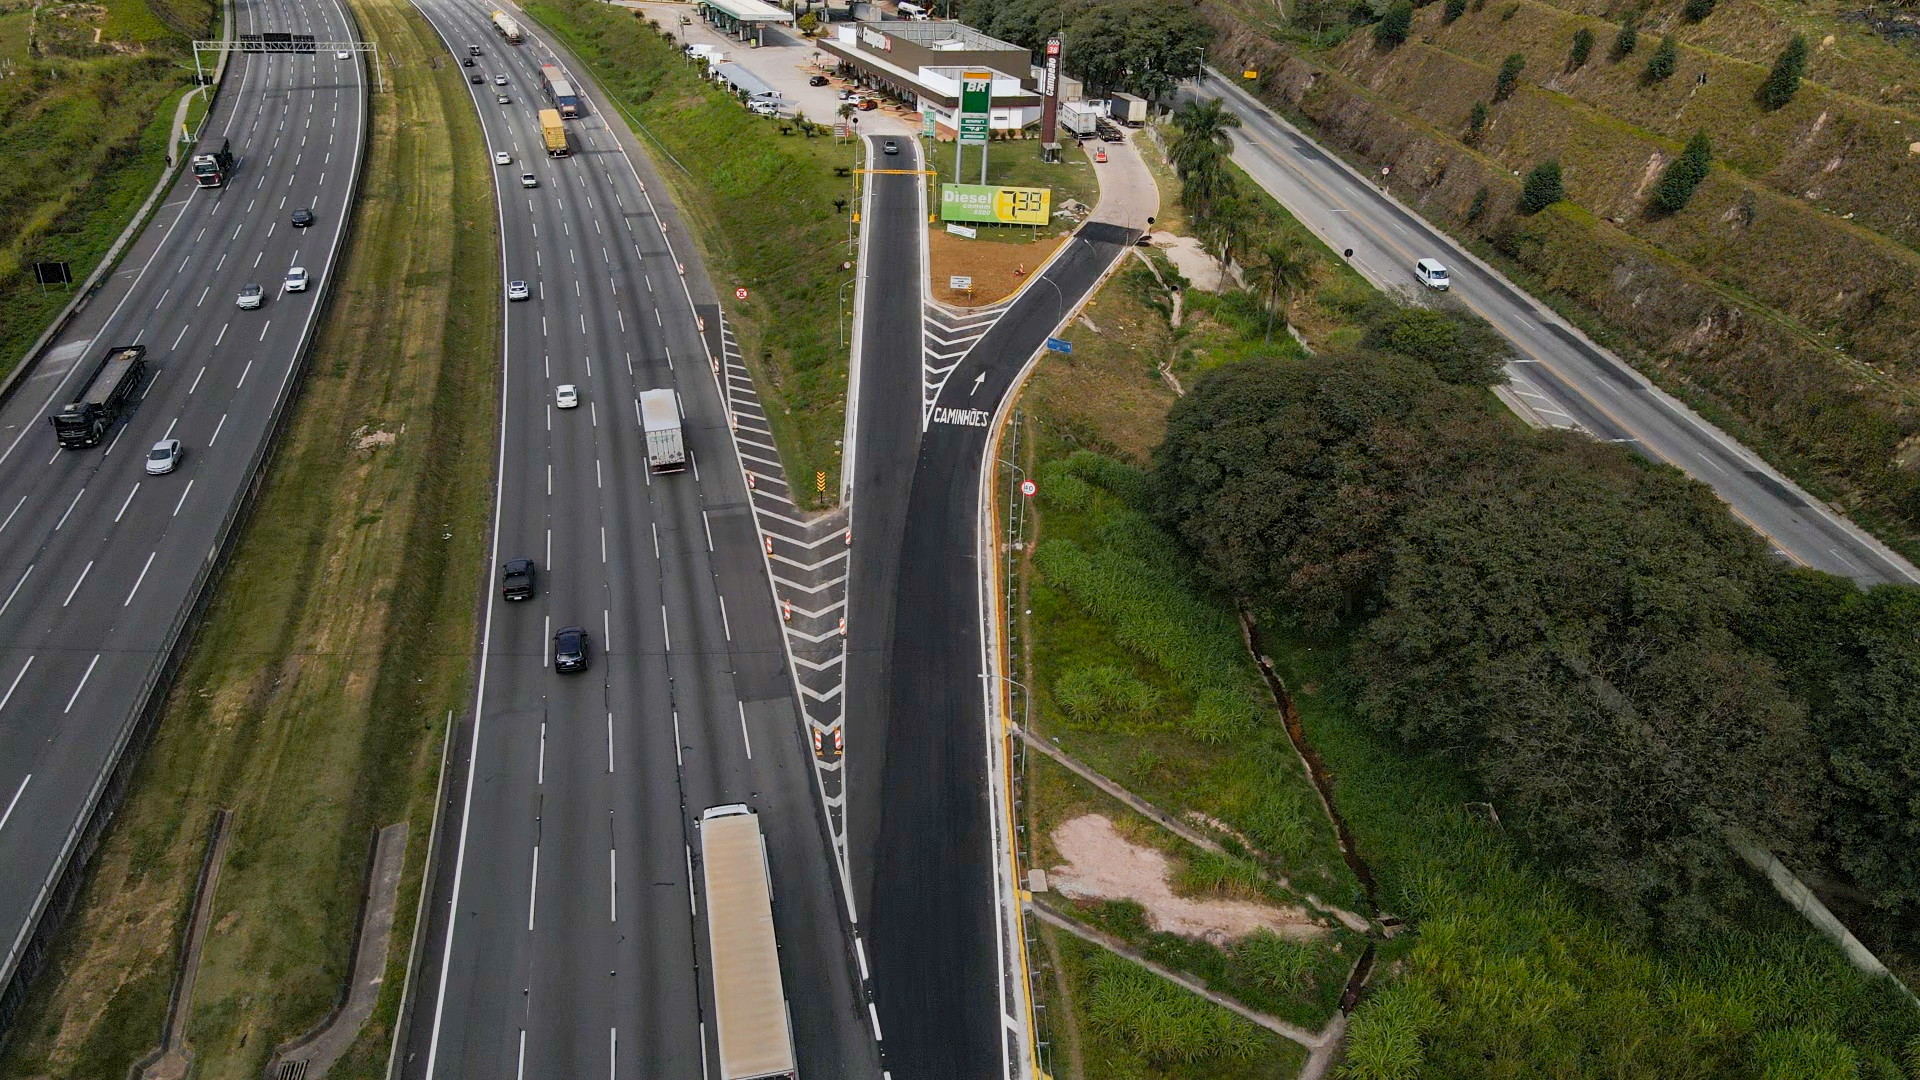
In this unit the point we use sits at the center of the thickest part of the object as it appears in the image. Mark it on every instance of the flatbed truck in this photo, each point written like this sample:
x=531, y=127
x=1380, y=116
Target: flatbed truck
x=105, y=397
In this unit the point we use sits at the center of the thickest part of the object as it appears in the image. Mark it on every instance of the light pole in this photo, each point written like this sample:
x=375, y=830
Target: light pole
x=840, y=312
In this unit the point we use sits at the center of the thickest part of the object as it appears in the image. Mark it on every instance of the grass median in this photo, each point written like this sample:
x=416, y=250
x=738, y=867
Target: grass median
x=761, y=207
x=318, y=688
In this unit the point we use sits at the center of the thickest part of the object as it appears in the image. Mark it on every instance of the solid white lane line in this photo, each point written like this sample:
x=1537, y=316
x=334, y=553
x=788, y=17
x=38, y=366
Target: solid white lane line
x=656, y=540
x=695, y=908
x=636, y=409
x=549, y=549
x=725, y=626
x=16, y=509
x=183, y=499
x=216, y=430
x=163, y=298
x=549, y=479
x=22, y=789
x=176, y=340
x=222, y=335
x=540, y=774
x=8, y=696
x=141, y=578
x=88, y=674
x=609, y=742
x=122, y=431
x=613, y=1051
x=665, y=629
x=676, y=736
x=520, y=1065
x=203, y=296
x=196, y=380
x=263, y=337
x=16, y=589
x=546, y=632
x=129, y=500
x=606, y=631
x=603, y=545
x=707, y=525
x=613, y=886
x=596, y=473
x=533, y=886
x=170, y=425
x=593, y=412
x=744, y=737
x=70, y=506
x=249, y=367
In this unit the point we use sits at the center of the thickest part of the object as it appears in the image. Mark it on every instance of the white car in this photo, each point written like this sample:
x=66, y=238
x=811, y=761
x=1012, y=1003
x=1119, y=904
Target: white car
x=566, y=396
x=516, y=290
x=341, y=55
x=297, y=279
x=1432, y=274
x=164, y=457
x=527, y=179
x=499, y=80
x=763, y=108
x=504, y=99
x=251, y=296
x=501, y=157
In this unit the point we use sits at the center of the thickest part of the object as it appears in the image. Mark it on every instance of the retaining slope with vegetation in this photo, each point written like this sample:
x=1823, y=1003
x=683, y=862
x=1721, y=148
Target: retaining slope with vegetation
x=1779, y=293
x=84, y=126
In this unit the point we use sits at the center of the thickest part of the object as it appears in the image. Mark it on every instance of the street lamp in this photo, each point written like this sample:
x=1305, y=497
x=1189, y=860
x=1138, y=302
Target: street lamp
x=840, y=311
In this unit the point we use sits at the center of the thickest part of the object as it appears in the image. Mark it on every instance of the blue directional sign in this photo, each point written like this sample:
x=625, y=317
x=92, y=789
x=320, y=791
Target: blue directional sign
x=1061, y=345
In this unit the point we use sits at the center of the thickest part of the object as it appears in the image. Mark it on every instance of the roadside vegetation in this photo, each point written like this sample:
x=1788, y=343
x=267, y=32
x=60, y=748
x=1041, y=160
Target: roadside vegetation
x=84, y=126
x=1544, y=679
x=318, y=688
x=1770, y=276
x=767, y=209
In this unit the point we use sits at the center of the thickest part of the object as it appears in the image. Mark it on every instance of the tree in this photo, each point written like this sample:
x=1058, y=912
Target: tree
x=1682, y=175
x=1542, y=188
x=1476, y=121
x=1508, y=76
x=1226, y=224
x=1392, y=28
x=1661, y=64
x=1281, y=267
x=1452, y=12
x=1199, y=154
x=1582, y=47
x=1143, y=46
x=1459, y=346
x=807, y=23
x=1697, y=10
x=1627, y=37
x=1784, y=80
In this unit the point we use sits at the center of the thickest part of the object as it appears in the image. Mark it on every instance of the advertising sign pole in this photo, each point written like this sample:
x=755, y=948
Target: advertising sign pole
x=975, y=114
x=1050, y=94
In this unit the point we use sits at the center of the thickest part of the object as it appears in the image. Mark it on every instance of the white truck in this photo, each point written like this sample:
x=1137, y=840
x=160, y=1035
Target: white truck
x=751, y=1025
x=660, y=415
x=1127, y=109
x=1081, y=118
x=509, y=29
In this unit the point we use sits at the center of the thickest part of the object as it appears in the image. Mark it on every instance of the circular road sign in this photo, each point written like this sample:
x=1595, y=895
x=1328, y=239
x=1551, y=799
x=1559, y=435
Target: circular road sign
x=740, y=294
x=1029, y=488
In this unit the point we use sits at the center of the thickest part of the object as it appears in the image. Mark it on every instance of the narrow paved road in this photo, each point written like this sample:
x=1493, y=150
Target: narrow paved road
x=1564, y=377
x=577, y=944
x=99, y=562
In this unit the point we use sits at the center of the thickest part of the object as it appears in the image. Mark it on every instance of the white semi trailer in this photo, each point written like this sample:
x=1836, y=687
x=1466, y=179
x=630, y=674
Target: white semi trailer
x=660, y=415
x=751, y=1024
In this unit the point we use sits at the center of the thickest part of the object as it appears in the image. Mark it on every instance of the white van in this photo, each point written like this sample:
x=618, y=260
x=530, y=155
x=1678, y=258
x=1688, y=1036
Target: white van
x=1432, y=274
x=910, y=10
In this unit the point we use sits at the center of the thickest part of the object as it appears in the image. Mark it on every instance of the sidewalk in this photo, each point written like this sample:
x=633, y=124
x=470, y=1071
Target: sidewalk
x=784, y=62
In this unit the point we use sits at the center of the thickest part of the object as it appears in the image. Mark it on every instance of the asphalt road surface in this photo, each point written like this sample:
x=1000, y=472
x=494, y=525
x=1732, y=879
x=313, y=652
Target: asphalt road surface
x=917, y=752
x=98, y=560
x=1567, y=380
x=576, y=944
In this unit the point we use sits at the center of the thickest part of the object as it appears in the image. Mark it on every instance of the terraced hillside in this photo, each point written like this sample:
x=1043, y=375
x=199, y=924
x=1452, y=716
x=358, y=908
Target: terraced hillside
x=87, y=93
x=1782, y=299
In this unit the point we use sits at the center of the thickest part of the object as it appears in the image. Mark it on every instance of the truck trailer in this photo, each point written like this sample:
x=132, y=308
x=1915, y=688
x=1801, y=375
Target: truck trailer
x=509, y=29
x=751, y=1026
x=102, y=399
x=559, y=91
x=1127, y=109
x=553, y=133
x=1081, y=118
x=660, y=415
x=213, y=164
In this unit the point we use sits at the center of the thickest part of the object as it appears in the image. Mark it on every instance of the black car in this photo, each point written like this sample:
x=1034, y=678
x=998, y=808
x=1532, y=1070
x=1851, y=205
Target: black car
x=476, y=78
x=466, y=61
x=516, y=579
x=890, y=147
x=570, y=648
x=302, y=218
x=816, y=80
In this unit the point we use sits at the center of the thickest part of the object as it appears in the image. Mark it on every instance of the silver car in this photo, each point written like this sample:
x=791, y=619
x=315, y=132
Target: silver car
x=297, y=279
x=516, y=290
x=164, y=457
x=251, y=296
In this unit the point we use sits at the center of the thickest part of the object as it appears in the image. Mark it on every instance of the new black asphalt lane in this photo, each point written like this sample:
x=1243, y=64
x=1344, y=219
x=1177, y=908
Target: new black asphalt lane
x=929, y=903
x=97, y=559
x=576, y=945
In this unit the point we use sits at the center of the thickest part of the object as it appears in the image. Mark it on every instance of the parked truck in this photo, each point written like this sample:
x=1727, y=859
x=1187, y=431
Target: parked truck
x=102, y=399
x=509, y=29
x=660, y=415
x=1082, y=118
x=1127, y=109
x=214, y=163
x=751, y=1027
x=553, y=133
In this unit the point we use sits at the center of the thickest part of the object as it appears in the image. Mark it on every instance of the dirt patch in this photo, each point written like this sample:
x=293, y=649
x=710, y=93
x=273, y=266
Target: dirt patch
x=1193, y=261
x=1103, y=865
x=991, y=266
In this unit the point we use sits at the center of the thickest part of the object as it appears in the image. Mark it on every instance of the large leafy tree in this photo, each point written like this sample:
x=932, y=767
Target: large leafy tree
x=1460, y=347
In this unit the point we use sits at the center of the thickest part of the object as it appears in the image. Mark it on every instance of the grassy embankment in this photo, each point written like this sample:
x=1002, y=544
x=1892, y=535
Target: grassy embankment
x=761, y=206
x=83, y=133
x=1813, y=369
x=1501, y=957
x=318, y=689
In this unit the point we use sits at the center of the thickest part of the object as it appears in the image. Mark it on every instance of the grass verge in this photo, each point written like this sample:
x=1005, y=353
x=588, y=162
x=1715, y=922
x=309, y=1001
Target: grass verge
x=314, y=699
x=761, y=207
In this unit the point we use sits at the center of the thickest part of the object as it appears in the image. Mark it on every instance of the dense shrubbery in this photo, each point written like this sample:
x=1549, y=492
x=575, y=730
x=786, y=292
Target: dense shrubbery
x=1608, y=652
x=1682, y=175
x=1145, y=47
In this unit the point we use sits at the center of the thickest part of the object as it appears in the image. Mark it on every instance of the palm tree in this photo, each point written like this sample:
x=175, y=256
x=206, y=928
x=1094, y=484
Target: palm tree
x=1226, y=226
x=1281, y=267
x=1203, y=138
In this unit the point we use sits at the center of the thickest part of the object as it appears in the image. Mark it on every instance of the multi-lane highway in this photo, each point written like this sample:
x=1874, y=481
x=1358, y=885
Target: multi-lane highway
x=99, y=562
x=569, y=940
x=1560, y=376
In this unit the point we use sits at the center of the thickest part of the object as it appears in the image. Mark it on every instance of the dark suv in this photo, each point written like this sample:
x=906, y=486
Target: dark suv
x=302, y=218
x=570, y=649
x=516, y=579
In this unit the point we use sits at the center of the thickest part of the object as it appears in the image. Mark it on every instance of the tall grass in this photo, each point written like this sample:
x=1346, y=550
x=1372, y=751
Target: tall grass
x=1162, y=1022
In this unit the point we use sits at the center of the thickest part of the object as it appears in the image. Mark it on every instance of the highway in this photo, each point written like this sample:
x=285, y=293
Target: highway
x=100, y=563
x=1560, y=376
x=568, y=939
